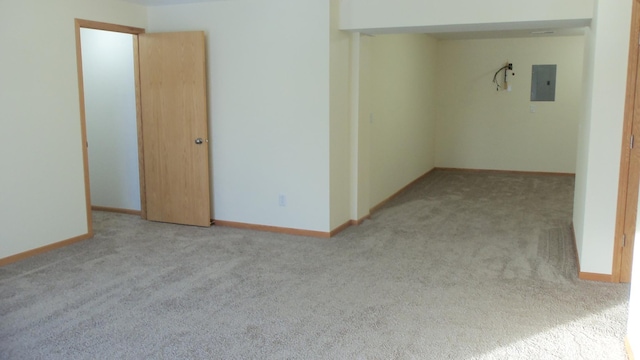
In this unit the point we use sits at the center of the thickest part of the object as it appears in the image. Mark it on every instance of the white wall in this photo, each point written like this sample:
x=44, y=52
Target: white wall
x=340, y=133
x=584, y=137
x=402, y=80
x=268, y=64
x=42, y=183
x=481, y=128
x=110, y=108
x=600, y=139
x=361, y=127
x=386, y=15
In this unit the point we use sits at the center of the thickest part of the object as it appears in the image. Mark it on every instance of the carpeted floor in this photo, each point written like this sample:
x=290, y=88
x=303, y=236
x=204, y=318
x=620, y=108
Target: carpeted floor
x=461, y=266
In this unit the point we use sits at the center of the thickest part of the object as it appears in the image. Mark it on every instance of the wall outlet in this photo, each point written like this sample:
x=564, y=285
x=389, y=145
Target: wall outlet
x=532, y=109
x=282, y=200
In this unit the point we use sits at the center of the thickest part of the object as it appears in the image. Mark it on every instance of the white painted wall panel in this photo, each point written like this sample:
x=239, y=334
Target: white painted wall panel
x=340, y=139
x=268, y=106
x=601, y=134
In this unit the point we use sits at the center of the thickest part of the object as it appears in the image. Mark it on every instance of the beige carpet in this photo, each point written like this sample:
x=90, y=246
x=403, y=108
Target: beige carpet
x=461, y=266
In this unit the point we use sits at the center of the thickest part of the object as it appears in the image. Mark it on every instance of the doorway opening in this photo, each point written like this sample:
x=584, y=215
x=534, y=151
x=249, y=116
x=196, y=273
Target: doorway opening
x=110, y=119
x=110, y=111
x=169, y=76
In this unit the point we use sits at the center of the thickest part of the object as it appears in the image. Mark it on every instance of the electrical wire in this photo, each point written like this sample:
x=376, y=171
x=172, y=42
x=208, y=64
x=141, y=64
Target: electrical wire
x=495, y=77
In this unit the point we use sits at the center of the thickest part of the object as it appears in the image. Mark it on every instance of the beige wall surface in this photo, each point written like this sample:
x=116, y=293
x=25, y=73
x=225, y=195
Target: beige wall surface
x=42, y=194
x=401, y=79
x=481, y=128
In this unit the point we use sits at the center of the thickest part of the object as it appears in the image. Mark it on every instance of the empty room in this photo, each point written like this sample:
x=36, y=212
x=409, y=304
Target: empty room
x=388, y=179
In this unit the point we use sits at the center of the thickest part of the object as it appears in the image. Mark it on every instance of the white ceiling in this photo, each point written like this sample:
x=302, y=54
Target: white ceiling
x=501, y=34
x=494, y=30
x=166, y=2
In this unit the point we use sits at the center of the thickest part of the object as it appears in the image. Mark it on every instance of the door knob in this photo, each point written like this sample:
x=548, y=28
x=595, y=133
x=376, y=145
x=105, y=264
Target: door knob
x=199, y=141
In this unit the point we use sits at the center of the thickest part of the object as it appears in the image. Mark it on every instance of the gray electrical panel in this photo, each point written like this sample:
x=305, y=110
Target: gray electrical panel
x=543, y=83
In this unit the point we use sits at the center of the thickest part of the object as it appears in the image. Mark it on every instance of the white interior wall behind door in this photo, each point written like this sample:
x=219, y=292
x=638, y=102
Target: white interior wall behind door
x=109, y=89
x=269, y=107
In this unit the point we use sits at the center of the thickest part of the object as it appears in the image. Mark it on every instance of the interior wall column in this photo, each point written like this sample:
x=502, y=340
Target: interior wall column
x=360, y=110
x=355, y=114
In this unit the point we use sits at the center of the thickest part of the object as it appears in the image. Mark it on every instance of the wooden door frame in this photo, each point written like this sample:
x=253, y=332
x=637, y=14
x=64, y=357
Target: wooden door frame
x=623, y=181
x=89, y=24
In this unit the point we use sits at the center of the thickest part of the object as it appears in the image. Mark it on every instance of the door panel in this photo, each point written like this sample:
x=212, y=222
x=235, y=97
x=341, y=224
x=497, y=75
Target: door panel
x=632, y=191
x=174, y=114
x=629, y=179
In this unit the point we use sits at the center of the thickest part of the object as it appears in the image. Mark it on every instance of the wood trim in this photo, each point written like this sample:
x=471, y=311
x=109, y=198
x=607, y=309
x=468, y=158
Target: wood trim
x=291, y=231
x=116, y=210
x=586, y=275
x=274, y=229
x=394, y=195
x=90, y=24
x=575, y=247
x=27, y=254
x=340, y=228
x=83, y=129
x=625, y=155
x=361, y=220
x=514, y=172
x=141, y=176
x=628, y=348
x=595, y=277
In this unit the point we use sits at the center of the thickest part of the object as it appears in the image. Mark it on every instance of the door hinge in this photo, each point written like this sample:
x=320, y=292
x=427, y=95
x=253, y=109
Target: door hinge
x=631, y=143
x=624, y=240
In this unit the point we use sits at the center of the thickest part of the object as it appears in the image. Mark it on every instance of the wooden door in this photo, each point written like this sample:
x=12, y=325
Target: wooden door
x=631, y=208
x=174, y=127
x=629, y=181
